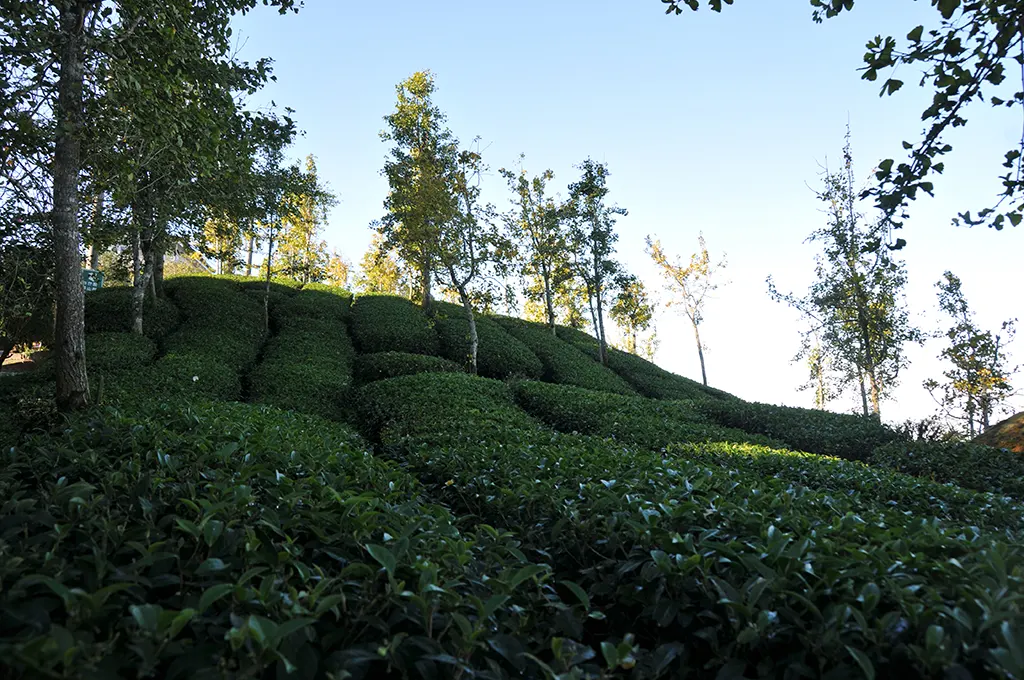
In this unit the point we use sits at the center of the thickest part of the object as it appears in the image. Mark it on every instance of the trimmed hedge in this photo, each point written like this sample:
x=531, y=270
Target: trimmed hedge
x=709, y=571
x=316, y=301
x=831, y=434
x=428, y=402
x=972, y=466
x=563, y=363
x=239, y=541
x=499, y=354
x=382, y=365
x=280, y=284
x=109, y=310
x=117, y=352
x=307, y=366
x=386, y=323
x=634, y=420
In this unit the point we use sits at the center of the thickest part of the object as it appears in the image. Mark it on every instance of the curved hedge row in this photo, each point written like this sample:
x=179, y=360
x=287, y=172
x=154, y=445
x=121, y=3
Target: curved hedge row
x=714, y=571
x=830, y=434
x=239, y=541
x=109, y=310
x=972, y=466
x=382, y=365
x=316, y=301
x=564, y=363
x=499, y=354
x=386, y=323
x=634, y=420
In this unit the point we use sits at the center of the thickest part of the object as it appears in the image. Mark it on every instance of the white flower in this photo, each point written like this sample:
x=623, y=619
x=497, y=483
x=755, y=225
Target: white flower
x=195, y=378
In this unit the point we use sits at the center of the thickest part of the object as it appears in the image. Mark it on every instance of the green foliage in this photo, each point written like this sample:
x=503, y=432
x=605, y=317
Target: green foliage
x=281, y=284
x=385, y=323
x=241, y=540
x=111, y=352
x=434, y=402
x=564, y=363
x=382, y=365
x=307, y=366
x=823, y=432
x=972, y=466
x=317, y=301
x=499, y=355
x=636, y=421
x=110, y=310
x=751, y=571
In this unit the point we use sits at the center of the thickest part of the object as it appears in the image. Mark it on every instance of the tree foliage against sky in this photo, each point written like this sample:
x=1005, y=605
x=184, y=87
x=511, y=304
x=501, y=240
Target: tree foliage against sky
x=969, y=56
x=977, y=381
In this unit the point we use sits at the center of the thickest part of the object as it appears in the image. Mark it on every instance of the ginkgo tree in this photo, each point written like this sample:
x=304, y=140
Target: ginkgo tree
x=690, y=284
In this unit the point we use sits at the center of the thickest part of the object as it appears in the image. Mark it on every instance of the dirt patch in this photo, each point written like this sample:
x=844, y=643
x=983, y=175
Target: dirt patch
x=1008, y=434
x=24, y=363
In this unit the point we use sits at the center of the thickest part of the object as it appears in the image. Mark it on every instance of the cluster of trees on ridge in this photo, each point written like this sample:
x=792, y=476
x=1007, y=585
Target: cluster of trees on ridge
x=125, y=124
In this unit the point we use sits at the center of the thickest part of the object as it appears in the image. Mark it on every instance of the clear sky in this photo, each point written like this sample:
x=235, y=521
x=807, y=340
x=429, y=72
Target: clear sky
x=708, y=122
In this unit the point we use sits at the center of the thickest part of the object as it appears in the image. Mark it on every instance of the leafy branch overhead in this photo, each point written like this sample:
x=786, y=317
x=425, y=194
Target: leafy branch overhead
x=966, y=58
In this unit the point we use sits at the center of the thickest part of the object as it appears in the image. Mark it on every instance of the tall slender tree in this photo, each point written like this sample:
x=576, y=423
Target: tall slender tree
x=591, y=240
x=632, y=310
x=691, y=285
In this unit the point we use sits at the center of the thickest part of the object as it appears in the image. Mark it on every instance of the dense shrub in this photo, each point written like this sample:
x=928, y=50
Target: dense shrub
x=831, y=434
x=317, y=301
x=110, y=352
x=972, y=466
x=241, y=541
x=307, y=366
x=110, y=310
x=427, y=402
x=280, y=284
x=758, y=575
x=499, y=354
x=564, y=363
x=385, y=323
x=372, y=367
x=634, y=420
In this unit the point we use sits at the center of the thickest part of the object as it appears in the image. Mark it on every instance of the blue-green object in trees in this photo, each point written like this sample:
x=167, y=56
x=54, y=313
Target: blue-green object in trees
x=92, y=279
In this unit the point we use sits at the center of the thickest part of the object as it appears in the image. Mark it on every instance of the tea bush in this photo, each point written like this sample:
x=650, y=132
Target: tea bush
x=499, y=354
x=562, y=362
x=634, y=420
x=756, y=574
x=111, y=352
x=385, y=323
x=237, y=541
x=972, y=466
x=307, y=366
x=109, y=310
x=830, y=434
x=372, y=367
x=317, y=301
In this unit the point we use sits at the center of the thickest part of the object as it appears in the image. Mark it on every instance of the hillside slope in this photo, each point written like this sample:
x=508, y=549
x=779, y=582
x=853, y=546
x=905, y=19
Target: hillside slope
x=339, y=499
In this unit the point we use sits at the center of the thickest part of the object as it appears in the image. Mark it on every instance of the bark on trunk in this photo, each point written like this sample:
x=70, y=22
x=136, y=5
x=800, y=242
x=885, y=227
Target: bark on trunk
x=427, y=280
x=158, y=270
x=266, y=289
x=248, y=261
x=474, y=340
x=72, y=381
x=700, y=353
x=863, y=392
x=875, y=393
x=601, y=342
x=549, y=303
x=97, y=225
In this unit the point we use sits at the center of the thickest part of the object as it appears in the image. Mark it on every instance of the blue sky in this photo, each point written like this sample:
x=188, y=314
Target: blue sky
x=708, y=122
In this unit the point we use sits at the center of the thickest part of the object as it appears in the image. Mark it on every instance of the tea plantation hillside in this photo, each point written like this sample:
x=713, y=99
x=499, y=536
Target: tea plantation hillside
x=339, y=498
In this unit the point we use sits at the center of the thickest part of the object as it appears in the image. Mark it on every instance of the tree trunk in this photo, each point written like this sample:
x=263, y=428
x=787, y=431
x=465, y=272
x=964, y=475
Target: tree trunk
x=427, y=278
x=266, y=289
x=97, y=225
x=700, y=352
x=549, y=303
x=143, y=273
x=474, y=340
x=248, y=261
x=72, y=381
x=632, y=341
x=875, y=392
x=602, y=342
x=863, y=391
x=158, y=269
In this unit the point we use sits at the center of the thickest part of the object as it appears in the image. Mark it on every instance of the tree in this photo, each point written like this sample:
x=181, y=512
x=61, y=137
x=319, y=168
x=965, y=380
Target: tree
x=469, y=243
x=632, y=310
x=381, y=271
x=967, y=55
x=591, y=239
x=302, y=254
x=221, y=240
x=536, y=222
x=856, y=304
x=338, y=270
x=26, y=290
x=978, y=381
x=419, y=201
x=57, y=59
x=691, y=285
